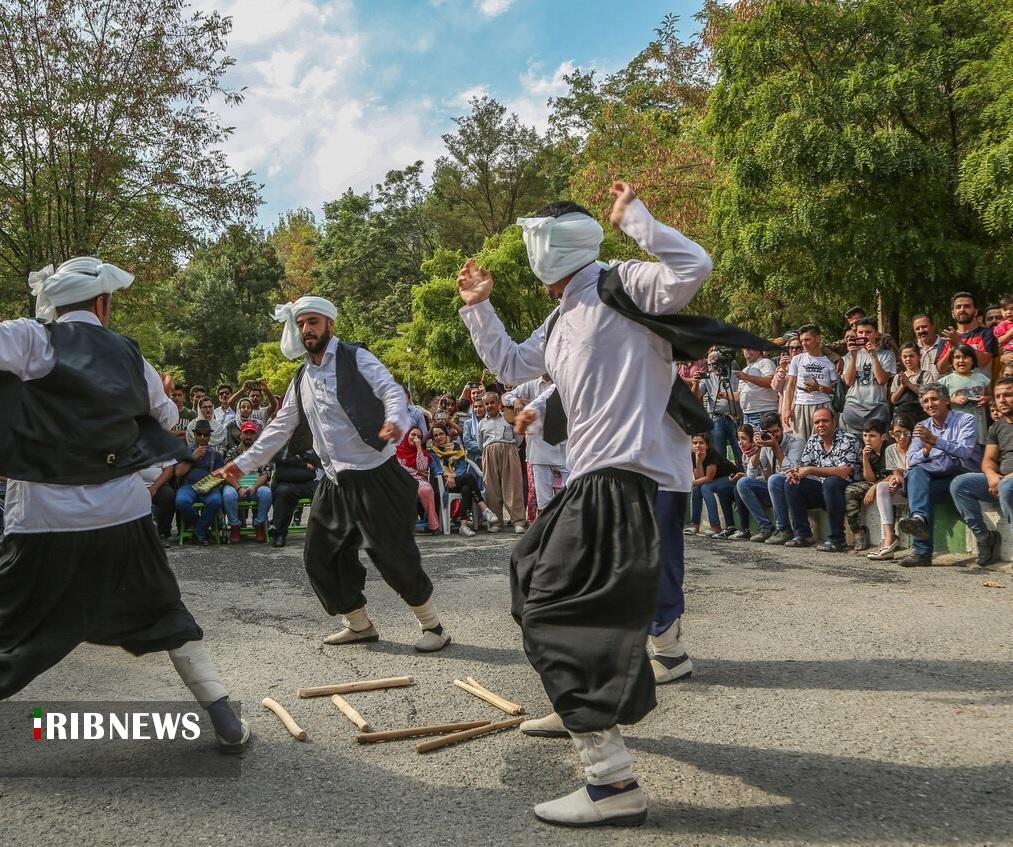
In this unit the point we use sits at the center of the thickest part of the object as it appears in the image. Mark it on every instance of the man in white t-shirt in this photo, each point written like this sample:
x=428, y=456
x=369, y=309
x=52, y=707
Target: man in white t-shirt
x=811, y=379
x=756, y=397
x=868, y=370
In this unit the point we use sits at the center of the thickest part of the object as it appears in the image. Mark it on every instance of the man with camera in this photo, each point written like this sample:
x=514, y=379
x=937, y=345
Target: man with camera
x=256, y=390
x=779, y=452
x=756, y=397
x=717, y=388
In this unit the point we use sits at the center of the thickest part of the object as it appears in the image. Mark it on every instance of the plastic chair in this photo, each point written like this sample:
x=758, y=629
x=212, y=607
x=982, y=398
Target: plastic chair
x=245, y=481
x=304, y=503
x=448, y=497
x=185, y=532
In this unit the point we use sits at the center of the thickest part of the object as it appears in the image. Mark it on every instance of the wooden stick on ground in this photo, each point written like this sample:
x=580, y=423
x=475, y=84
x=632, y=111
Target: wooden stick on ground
x=457, y=737
x=416, y=731
x=297, y=732
x=489, y=697
x=351, y=687
x=515, y=708
x=349, y=712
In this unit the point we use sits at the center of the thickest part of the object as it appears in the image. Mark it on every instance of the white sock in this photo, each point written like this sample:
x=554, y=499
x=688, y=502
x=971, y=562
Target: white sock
x=667, y=644
x=426, y=613
x=194, y=666
x=604, y=756
x=358, y=620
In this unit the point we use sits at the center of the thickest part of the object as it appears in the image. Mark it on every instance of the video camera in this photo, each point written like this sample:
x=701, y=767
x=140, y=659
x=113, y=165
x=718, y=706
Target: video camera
x=722, y=361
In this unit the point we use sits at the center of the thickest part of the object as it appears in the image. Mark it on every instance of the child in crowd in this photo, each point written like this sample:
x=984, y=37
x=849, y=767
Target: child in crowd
x=863, y=492
x=904, y=387
x=501, y=464
x=970, y=390
x=890, y=491
x=711, y=478
x=1004, y=329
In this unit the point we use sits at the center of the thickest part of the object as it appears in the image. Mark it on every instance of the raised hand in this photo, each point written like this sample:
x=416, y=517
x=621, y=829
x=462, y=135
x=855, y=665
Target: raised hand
x=390, y=432
x=230, y=473
x=623, y=194
x=474, y=283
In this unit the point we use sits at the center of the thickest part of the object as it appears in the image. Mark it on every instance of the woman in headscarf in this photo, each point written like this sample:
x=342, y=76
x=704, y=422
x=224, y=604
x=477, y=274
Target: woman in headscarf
x=206, y=412
x=411, y=454
x=452, y=459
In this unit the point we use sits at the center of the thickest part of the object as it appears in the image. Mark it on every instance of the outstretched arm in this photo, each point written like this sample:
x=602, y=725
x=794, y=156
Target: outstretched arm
x=275, y=436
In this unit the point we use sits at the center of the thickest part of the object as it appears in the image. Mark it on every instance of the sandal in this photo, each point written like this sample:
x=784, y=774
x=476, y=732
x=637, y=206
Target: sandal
x=884, y=553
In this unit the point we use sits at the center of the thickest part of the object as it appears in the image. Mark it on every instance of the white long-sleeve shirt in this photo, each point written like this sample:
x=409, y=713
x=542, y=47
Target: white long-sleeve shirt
x=335, y=439
x=539, y=451
x=614, y=376
x=26, y=351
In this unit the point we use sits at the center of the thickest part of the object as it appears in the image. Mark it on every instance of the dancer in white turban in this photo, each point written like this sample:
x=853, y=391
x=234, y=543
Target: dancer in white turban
x=80, y=560
x=344, y=404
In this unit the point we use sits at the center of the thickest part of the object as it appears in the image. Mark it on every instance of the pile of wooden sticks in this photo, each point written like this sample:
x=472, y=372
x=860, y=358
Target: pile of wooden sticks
x=450, y=733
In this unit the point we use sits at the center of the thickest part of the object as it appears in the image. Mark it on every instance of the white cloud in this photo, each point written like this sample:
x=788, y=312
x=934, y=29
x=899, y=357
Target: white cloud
x=532, y=106
x=462, y=99
x=492, y=8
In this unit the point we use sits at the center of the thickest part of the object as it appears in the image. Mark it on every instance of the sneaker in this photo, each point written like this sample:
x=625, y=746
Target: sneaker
x=671, y=668
x=741, y=535
x=519, y=529
x=831, y=547
x=490, y=518
x=988, y=548
x=725, y=533
x=884, y=554
x=762, y=535
x=234, y=535
x=493, y=527
x=915, y=526
x=915, y=560
x=798, y=542
x=780, y=537
x=466, y=530
x=862, y=539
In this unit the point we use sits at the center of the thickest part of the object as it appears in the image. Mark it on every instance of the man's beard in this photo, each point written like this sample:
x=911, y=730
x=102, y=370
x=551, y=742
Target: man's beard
x=317, y=345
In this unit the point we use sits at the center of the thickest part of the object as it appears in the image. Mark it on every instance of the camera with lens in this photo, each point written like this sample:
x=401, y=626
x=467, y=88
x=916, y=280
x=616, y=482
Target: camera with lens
x=722, y=360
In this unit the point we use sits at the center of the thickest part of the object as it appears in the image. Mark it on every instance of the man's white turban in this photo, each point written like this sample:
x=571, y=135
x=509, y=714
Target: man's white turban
x=291, y=339
x=76, y=280
x=557, y=247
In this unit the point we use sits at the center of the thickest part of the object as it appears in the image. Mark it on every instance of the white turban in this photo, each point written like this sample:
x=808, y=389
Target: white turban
x=291, y=339
x=76, y=280
x=557, y=247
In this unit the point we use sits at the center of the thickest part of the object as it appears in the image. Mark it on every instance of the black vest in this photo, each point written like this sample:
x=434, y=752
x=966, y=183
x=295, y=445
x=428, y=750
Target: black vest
x=691, y=336
x=355, y=394
x=88, y=420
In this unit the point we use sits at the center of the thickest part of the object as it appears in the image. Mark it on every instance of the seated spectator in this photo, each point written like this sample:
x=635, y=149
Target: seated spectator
x=163, y=497
x=711, y=475
x=904, y=387
x=1003, y=330
x=993, y=485
x=829, y=462
x=730, y=501
x=451, y=461
x=867, y=371
x=778, y=452
x=862, y=492
x=970, y=390
x=718, y=391
x=930, y=345
x=501, y=465
x=244, y=413
x=470, y=435
x=811, y=378
x=205, y=459
x=295, y=478
x=259, y=491
x=224, y=412
x=206, y=412
x=756, y=397
x=943, y=446
x=967, y=330
x=890, y=490
x=411, y=454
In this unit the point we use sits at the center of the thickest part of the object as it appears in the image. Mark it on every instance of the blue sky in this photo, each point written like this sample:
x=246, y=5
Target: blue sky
x=341, y=91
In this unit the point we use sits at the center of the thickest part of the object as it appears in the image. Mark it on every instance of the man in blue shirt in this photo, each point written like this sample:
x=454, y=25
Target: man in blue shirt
x=205, y=459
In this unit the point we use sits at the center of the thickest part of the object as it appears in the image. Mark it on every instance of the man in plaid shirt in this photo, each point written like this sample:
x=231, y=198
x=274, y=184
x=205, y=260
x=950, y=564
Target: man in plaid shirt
x=260, y=490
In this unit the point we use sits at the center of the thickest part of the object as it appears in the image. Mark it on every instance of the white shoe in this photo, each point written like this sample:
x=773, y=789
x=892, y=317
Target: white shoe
x=431, y=641
x=998, y=567
x=493, y=528
x=231, y=747
x=466, y=531
x=551, y=726
x=883, y=554
x=578, y=809
x=351, y=636
x=519, y=529
x=490, y=517
x=681, y=669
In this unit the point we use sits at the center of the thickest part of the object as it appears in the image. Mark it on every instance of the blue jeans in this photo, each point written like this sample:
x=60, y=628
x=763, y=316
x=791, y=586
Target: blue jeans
x=924, y=489
x=230, y=500
x=723, y=434
x=709, y=493
x=810, y=494
x=753, y=418
x=970, y=490
x=186, y=497
x=753, y=494
x=670, y=512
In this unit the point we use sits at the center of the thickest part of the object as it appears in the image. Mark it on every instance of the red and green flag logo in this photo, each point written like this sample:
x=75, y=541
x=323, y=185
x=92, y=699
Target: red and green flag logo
x=37, y=722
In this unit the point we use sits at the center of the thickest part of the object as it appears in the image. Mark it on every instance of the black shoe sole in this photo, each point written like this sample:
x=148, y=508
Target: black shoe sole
x=625, y=820
x=545, y=733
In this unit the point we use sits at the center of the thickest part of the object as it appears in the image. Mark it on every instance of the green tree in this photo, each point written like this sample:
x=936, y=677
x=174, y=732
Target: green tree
x=294, y=239
x=268, y=363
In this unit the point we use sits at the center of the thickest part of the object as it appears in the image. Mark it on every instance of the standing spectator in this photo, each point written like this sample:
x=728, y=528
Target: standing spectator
x=446, y=413
x=224, y=413
x=993, y=314
x=417, y=416
x=779, y=383
x=295, y=478
x=711, y=472
x=867, y=370
x=944, y=445
x=259, y=491
x=906, y=385
x=811, y=378
x=206, y=412
x=687, y=370
x=450, y=458
x=970, y=390
x=470, y=436
x=890, y=491
x=862, y=492
x=163, y=497
x=778, y=452
x=547, y=461
x=854, y=316
x=197, y=393
x=968, y=330
x=256, y=390
x=993, y=485
x=411, y=454
x=756, y=397
x=501, y=465
x=718, y=389
x=1003, y=330
x=205, y=459
x=829, y=462
x=930, y=344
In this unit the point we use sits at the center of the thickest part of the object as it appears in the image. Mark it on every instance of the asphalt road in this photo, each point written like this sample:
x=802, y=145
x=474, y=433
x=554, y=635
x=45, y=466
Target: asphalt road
x=836, y=701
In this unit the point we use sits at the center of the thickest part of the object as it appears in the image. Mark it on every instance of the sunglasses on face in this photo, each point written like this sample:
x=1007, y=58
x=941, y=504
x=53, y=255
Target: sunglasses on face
x=794, y=348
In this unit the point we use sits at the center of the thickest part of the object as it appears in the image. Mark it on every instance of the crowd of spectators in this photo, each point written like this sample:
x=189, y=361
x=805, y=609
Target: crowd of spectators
x=859, y=426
